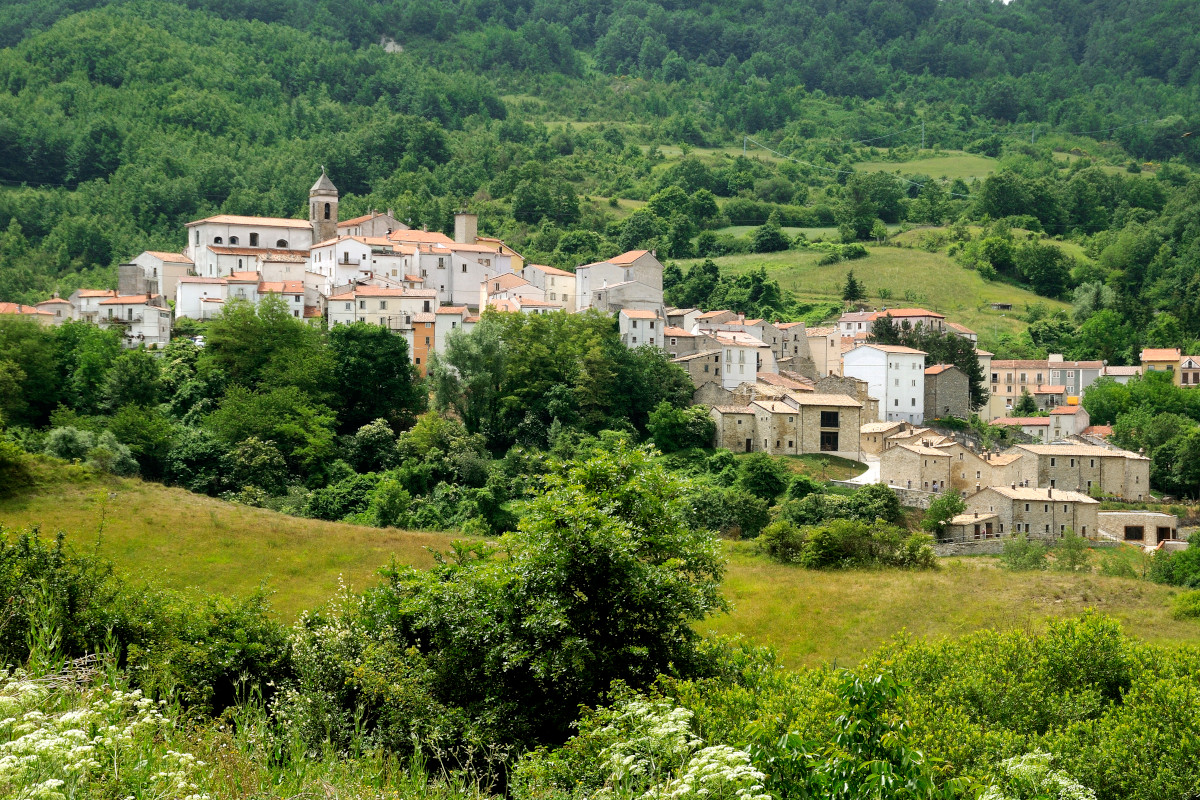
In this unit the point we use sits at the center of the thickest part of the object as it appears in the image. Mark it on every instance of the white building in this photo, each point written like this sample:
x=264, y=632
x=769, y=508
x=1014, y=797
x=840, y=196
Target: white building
x=630, y=280
x=510, y=286
x=447, y=319
x=895, y=375
x=638, y=327
x=558, y=284
x=391, y=308
x=742, y=358
x=59, y=308
x=153, y=272
x=200, y=298
x=142, y=319
x=87, y=302
x=252, y=233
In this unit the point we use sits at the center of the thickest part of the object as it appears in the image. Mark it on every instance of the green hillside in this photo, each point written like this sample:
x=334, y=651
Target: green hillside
x=180, y=540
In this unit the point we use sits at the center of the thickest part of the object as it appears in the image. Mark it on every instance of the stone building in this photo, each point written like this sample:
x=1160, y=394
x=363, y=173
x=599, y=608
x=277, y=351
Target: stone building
x=947, y=392
x=1038, y=513
x=1091, y=469
x=873, y=436
x=1140, y=527
x=797, y=423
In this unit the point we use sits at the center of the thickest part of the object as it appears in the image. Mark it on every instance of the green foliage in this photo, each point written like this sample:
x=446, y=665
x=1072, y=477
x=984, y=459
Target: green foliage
x=847, y=544
x=1022, y=554
x=1072, y=553
x=602, y=582
x=941, y=510
x=1186, y=605
x=1025, y=406
x=674, y=428
x=763, y=476
x=853, y=290
x=374, y=377
x=1180, y=568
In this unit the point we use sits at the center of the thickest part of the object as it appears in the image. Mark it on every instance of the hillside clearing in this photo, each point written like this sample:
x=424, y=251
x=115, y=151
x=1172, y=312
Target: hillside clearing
x=912, y=277
x=186, y=541
x=948, y=165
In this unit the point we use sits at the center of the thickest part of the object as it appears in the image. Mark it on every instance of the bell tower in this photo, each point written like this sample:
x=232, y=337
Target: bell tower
x=323, y=209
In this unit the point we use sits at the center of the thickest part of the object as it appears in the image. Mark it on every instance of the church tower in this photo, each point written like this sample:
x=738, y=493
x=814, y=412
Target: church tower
x=323, y=209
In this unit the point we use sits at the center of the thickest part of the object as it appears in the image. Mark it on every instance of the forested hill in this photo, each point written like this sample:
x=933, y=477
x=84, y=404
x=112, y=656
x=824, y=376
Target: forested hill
x=121, y=121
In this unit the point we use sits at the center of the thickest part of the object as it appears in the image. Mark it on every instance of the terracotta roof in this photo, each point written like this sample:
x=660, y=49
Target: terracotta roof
x=938, y=369
x=97, y=292
x=922, y=449
x=671, y=330
x=452, y=310
x=266, y=222
x=551, y=270
x=54, y=301
x=640, y=313
x=983, y=353
x=1160, y=354
x=474, y=248
x=1130, y=371
x=628, y=257
x=529, y=302
x=1065, y=410
x=381, y=291
x=212, y=299
x=820, y=331
x=23, y=309
x=420, y=237
x=1051, y=495
x=198, y=279
x=244, y=277
x=1103, y=431
x=282, y=287
x=311, y=312
x=1022, y=421
x=857, y=316
x=772, y=379
x=954, y=326
x=227, y=250
x=908, y=312
x=967, y=519
x=425, y=316
x=879, y=427
x=174, y=258
x=413, y=278
x=474, y=318
x=746, y=341
x=509, y=280
x=708, y=314
x=784, y=326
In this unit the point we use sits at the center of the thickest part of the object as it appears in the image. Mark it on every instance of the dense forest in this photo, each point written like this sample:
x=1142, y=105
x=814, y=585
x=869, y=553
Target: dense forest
x=121, y=121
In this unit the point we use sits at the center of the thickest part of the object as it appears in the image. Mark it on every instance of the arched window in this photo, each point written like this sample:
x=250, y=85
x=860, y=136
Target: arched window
x=327, y=211
x=233, y=240
x=254, y=240
x=217, y=240
x=281, y=243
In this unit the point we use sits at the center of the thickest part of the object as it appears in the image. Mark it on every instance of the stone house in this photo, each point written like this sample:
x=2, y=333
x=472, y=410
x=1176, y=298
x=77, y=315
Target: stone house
x=153, y=272
x=735, y=427
x=57, y=307
x=858, y=389
x=873, y=435
x=1037, y=427
x=142, y=319
x=915, y=466
x=1140, y=527
x=1066, y=421
x=825, y=349
x=637, y=327
x=702, y=366
x=797, y=423
x=1038, y=513
x=947, y=392
x=1091, y=469
x=684, y=318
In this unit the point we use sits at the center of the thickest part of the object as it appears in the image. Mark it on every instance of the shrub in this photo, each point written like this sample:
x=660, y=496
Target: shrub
x=1181, y=568
x=763, y=476
x=69, y=443
x=1021, y=554
x=109, y=455
x=1186, y=605
x=348, y=496
x=782, y=541
x=848, y=543
x=1072, y=553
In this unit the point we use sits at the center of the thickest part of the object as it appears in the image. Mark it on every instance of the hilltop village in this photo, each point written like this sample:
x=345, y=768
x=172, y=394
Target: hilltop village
x=776, y=387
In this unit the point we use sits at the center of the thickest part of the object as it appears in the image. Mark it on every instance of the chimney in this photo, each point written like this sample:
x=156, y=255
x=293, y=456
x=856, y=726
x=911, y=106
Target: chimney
x=389, y=212
x=1014, y=486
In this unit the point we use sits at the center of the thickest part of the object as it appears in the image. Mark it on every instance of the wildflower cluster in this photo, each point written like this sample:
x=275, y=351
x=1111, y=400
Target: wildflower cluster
x=654, y=755
x=1031, y=776
x=59, y=739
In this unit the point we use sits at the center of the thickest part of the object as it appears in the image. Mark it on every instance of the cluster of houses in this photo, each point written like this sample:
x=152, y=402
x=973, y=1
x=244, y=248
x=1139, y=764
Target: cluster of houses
x=780, y=388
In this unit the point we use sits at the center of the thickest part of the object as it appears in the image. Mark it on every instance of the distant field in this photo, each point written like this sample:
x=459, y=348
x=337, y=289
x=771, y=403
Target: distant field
x=950, y=166
x=814, y=617
x=932, y=280
x=183, y=541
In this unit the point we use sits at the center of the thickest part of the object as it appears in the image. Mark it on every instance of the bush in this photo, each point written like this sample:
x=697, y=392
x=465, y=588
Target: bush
x=726, y=510
x=846, y=544
x=346, y=497
x=763, y=476
x=1072, y=553
x=1181, y=568
x=1022, y=554
x=1186, y=605
x=69, y=443
x=782, y=541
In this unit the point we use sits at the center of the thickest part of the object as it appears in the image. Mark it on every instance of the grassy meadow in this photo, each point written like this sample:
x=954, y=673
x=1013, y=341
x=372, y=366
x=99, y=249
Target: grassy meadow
x=185, y=541
x=913, y=277
x=949, y=165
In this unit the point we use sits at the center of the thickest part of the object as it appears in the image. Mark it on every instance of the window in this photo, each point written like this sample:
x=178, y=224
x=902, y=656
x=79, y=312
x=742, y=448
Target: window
x=896, y=402
x=383, y=305
x=441, y=263
x=673, y=341
x=233, y=240
x=829, y=419
x=418, y=359
x=254, y=240
x=347, y=306
x=1093, y=464
x=197, y=236
x=464, y=269
x=1045, y=508
x=427, y=341
x=789, y=443
x=1027, y=506
x=217, y=240
x=914, y=401
x=327, y=211
x=362, y=304
x=1052, y=462
x=829, y=441
x=1064, y=508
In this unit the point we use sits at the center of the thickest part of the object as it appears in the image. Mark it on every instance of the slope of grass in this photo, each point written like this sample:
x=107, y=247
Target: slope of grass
x=913, y=278
x=182, y=541
x=948, y=164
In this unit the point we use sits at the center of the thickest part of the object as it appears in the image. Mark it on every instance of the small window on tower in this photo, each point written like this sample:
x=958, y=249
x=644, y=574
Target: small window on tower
x=327, y=211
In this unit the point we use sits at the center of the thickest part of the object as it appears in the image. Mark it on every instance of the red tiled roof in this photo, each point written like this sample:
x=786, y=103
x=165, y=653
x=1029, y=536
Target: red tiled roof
x=97, y=292
x=266, y=222
x=1066, y=410
x=282, y=287
x=639, y=313
x=127, y=300
x=24, y=310
x=938, y=369
x=1160, y=354
x=628, y=257
x=1021, y=421
x=175, y=258
x=1103, y=431
x=552, y=270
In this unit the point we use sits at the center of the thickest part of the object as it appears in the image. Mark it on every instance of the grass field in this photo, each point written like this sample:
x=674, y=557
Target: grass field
x=913, y=277
x=950, y=165
x=183, y=541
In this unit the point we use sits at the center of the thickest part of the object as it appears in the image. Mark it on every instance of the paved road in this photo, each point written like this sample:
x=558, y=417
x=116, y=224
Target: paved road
x=872, y=473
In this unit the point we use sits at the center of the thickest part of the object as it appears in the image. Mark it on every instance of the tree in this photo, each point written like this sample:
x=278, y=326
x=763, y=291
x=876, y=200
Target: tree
x=133, y=379
x=1025, y=406
x=879, y=231
x=769, y=237
x=286, y=417
x=853, y=290
x=941, y=510
x=673, y=428
x=373, y=377
x=1046, y=267
x=259, y=464
x=763, y=476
